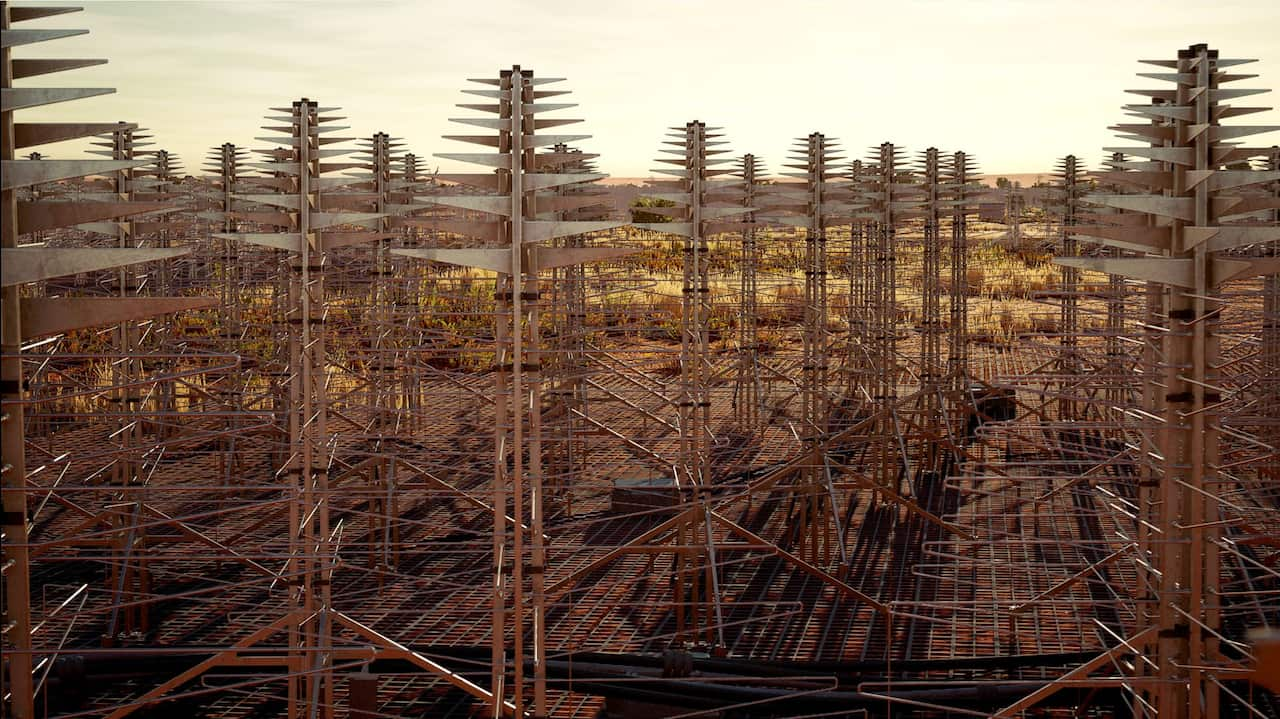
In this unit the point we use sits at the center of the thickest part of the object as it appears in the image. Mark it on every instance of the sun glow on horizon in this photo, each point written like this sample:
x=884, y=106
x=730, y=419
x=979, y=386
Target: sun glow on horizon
x=918, y=73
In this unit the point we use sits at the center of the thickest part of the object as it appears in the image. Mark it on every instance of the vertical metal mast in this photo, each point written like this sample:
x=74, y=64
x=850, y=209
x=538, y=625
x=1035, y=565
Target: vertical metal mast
x=1070, y=173
x=812, y=529
x=568, y=369
x=693, y=476
x=227, y=163
x=383, y=363
x=294, y=172
x=959, y=194
x=127, y=471
x=856, y=343
x=29, y=317
x=695, y=191
x=813, y=537
x=892, y=200
x=1117, y=390
x=1270, y=350
x=517, y=258
x=1181, y=626
x=822, y=203
x=694, y=403
x=18, y=682
x=931, y=418
x=308, y=467
x=748, y=389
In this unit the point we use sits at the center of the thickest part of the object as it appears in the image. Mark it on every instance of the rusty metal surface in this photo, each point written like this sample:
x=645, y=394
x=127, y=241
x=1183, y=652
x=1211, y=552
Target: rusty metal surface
x=407, y=423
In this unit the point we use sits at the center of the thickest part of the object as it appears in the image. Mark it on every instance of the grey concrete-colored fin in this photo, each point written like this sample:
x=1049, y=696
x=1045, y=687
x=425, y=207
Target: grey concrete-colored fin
x=32, y=67
x=494, y=205
x=33, y=134
x=47, y=215
x=20, y=14
x=21, y=265
x=1176, y=272
x=43, y=316
x=291, y=241
x=17, y=37
x=540, y=231
x=494, y=260
x=25, y=173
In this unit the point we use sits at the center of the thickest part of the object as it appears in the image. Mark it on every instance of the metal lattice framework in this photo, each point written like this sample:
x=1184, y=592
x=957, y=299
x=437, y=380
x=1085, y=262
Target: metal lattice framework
x=694, y=192
x=518, y=258
x=31, y=316
x=1194, y=206
x=1070, y=174
x=748, y=392
x=824, y=203
x=847, y=442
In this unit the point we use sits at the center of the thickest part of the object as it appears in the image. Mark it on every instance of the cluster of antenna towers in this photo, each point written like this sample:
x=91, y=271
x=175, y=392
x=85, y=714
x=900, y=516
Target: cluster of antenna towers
x=322, y=434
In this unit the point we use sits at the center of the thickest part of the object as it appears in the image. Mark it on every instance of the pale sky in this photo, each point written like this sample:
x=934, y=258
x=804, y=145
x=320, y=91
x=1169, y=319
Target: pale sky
x=1017, y=83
